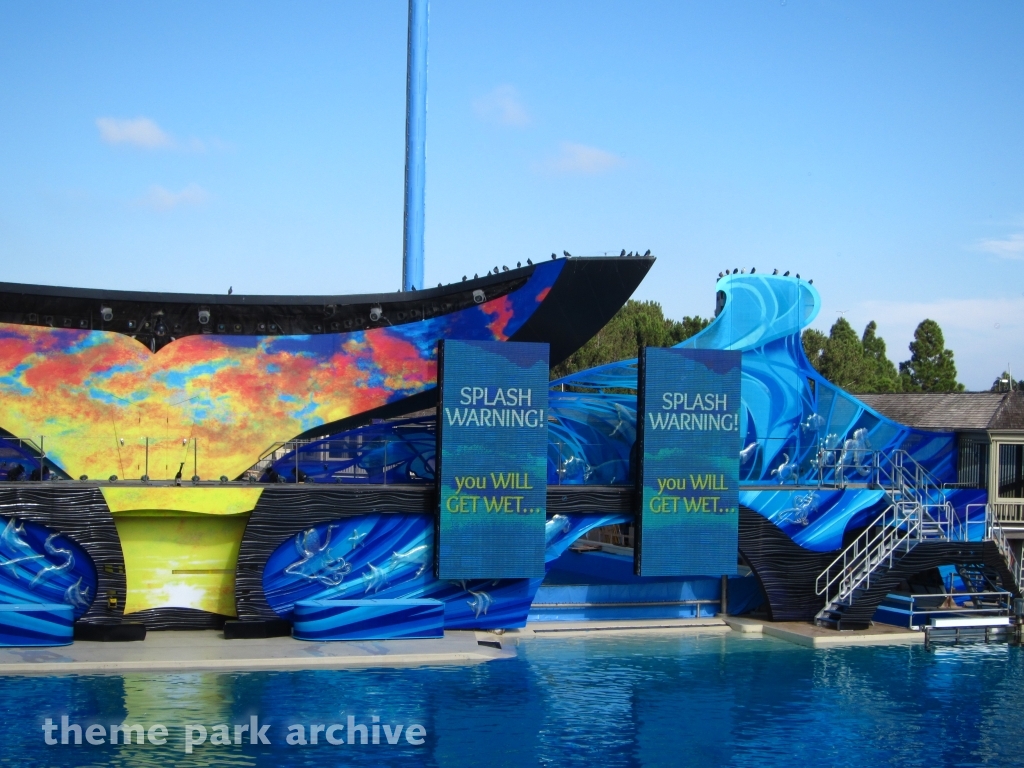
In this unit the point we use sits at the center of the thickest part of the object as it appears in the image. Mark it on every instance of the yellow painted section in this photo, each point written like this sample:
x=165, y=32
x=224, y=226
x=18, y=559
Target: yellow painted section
x=196, y=500
x=181, y=561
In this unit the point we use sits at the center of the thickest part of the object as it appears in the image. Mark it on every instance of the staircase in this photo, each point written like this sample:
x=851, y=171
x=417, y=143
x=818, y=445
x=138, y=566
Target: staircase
x=918, y=517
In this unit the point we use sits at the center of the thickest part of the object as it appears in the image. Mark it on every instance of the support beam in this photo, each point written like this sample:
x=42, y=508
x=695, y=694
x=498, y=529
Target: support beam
x=415, y=146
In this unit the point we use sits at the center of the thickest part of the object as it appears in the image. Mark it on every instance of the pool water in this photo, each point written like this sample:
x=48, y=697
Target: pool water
x=650, y=700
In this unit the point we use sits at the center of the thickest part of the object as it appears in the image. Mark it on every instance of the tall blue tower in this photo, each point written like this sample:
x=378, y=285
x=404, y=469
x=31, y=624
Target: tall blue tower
x=415, y=146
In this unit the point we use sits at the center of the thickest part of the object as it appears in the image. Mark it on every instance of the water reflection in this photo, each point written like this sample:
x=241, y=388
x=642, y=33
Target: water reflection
x=647, y=700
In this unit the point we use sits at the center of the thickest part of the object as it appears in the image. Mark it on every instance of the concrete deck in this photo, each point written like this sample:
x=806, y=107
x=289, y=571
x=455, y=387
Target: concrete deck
x=576, y=628
x=209, y=651
x=810, y=636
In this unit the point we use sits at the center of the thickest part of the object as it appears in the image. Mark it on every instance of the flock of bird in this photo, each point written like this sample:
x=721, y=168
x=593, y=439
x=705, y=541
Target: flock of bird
x=754, y=269
x=567, y=255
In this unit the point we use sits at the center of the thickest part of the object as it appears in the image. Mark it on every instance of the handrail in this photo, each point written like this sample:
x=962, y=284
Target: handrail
x=896, y=526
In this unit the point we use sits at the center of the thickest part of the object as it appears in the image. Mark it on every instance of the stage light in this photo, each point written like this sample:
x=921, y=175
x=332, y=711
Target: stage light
x=238, y=327
x=273, y=327
x=131, y=325
x=478, y=296
x=160, y=330
x=67, y=322
x=144, y=478
x=195, y=479
x=223, y=478
x=221, y=327
x=83, y=478
x=261, y=327
x=113, y=478
x=375, y=314
x=82, y=323
x=204, y=316
x=107, y=314
x=48, y=320
x=317, y=328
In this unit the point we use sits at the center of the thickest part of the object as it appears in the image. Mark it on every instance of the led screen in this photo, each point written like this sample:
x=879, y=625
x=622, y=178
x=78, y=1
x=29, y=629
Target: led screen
x=492, y=448
x=689, y=443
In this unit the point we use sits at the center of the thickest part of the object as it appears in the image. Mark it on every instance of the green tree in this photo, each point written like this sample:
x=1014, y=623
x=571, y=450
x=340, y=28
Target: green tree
x=814, y=342
x=886, y=377
x=843, y=361
x=856, y=365
x=930, y=367
x=637, y=324
x=1005, y=383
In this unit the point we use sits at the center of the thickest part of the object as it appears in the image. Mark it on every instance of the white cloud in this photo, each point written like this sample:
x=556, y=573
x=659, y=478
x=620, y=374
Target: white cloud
x=1011, y=247
x=160, y=199
x=503, y=106
x=581, y=159
x=139, y=132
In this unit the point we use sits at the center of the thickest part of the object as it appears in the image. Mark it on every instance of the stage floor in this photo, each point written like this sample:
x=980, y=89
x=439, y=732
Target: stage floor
x=208, y=651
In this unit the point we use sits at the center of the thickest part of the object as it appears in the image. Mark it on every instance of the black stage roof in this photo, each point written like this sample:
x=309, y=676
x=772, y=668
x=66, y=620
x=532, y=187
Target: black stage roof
x=587, y=293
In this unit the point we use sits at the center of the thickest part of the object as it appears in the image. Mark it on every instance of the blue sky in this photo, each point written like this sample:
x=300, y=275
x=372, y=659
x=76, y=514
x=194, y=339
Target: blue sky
x=877, y=148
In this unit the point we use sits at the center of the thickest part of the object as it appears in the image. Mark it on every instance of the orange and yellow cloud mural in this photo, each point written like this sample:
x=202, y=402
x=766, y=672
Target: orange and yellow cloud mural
x=212, y=404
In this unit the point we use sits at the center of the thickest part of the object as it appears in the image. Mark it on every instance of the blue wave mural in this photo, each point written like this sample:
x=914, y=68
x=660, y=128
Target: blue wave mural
x=389, y=556
x=40, y=566
x=797, y=426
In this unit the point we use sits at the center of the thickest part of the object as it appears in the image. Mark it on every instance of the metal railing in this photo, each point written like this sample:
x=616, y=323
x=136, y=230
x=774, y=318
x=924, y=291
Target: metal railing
x=918, y=511
x=897, y=528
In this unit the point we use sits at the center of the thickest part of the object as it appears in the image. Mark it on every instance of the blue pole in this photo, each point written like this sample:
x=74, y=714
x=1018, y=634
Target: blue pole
x=415, y=146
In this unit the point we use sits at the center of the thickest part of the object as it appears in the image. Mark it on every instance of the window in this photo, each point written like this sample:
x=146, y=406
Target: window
x=972, y=463
x=1011, y=471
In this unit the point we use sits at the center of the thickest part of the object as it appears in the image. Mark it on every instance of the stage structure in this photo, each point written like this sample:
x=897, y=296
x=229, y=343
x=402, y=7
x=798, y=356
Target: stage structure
x=146, y=413
x=837, y=504
x=822, y=475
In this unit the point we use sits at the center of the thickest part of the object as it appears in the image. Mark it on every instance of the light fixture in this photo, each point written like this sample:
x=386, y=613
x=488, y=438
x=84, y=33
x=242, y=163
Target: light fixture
x=107, y=314
x=375, y=314
x=204, y=316
x=478, y=296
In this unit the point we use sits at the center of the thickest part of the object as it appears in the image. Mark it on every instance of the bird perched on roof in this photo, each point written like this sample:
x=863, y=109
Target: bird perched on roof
x=623, y=253
x=775, y=271
x=629, y=255
x=463, y=278
x=721, y=274
x=753, y=270
x=567, y=254
x=519, y=264
x=530, y=262
x=648, y=254
x=475, y=276
x=553, y=257
x=495, y=270
x=230, y=290
x=786, y=273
